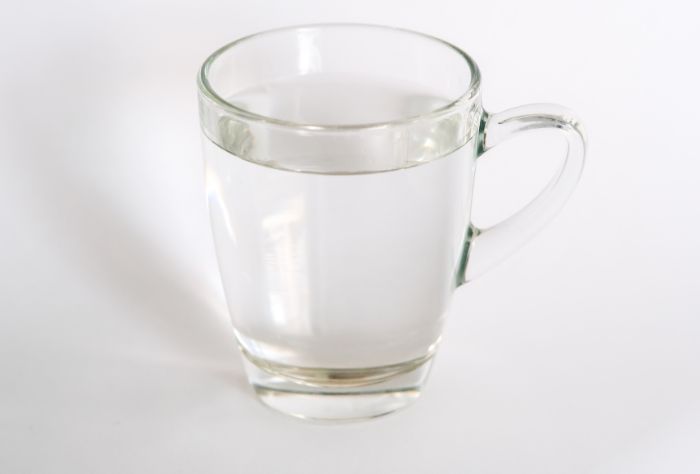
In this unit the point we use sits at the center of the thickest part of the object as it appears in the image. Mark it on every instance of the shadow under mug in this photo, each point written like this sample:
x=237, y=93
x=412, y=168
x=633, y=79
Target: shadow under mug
x=340, y=166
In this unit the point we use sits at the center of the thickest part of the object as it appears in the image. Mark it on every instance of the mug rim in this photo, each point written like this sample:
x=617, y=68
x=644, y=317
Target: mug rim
x=208, y=91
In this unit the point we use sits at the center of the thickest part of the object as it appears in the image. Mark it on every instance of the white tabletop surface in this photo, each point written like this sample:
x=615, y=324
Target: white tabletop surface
x=580, y=354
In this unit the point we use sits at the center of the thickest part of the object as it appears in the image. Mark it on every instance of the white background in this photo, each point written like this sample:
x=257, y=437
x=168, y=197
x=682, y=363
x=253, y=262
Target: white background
x=580, y=354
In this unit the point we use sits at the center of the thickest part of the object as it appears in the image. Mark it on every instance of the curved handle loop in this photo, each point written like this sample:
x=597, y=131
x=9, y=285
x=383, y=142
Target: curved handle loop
x=486, y=248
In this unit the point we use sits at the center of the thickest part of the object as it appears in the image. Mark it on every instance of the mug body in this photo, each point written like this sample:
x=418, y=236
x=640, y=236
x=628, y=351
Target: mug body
x=339, y=170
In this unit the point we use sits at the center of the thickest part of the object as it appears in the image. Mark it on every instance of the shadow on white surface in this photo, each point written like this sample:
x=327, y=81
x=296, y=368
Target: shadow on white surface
x=74, y=165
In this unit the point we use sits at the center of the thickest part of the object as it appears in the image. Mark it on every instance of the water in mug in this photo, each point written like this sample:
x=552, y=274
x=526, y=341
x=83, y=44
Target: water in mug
x=339, y=270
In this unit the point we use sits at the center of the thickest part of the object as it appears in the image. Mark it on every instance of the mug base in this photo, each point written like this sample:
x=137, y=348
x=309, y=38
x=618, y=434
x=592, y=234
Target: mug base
x=337, y=395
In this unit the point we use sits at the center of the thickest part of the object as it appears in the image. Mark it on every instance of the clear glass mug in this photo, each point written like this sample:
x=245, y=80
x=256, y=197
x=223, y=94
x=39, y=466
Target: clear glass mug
x=340, y=166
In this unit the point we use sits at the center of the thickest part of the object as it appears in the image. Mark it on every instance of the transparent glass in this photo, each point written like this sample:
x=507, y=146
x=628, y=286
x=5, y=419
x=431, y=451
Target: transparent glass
x=340, y=163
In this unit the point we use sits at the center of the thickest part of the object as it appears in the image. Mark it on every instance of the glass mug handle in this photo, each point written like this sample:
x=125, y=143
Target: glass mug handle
x=485, y=248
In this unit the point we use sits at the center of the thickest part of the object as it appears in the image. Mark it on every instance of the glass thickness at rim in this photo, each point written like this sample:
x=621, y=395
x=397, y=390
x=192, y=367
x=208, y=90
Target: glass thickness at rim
x=206, y=88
